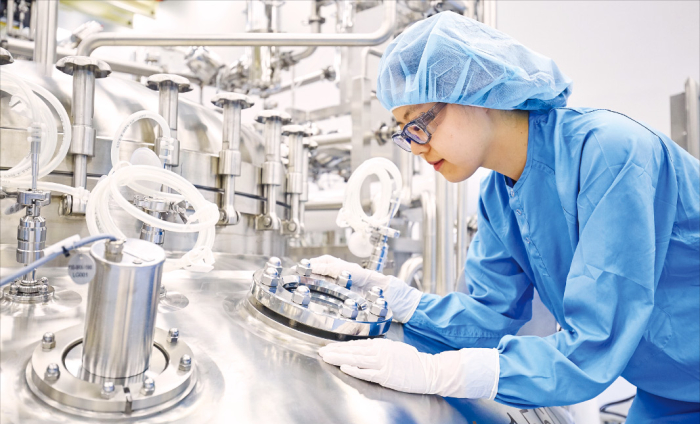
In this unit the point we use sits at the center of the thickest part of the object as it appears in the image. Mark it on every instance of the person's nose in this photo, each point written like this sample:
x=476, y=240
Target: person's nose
x=419, y=149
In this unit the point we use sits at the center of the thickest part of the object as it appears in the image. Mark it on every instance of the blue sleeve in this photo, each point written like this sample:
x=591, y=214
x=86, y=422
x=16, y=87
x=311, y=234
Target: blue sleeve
x=498, y=303
x=609, y=294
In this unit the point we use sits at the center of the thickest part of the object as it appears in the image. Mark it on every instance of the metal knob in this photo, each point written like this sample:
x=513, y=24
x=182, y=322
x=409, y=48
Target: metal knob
x=266, y=115
x=375, y=293
x=222, y=98
x=5, y=57
x=304, y=268
x=288, y=130
x=157, y=81
x=345, y=280
x=349, y=309
x=379, y=308
x=69, y=64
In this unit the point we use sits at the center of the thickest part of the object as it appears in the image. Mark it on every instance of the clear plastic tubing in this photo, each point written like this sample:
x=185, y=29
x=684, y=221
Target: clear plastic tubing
x=128, y=122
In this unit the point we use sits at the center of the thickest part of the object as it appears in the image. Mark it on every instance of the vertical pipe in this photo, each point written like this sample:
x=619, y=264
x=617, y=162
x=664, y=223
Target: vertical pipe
x=10, y=17
x=82, y=110
x=692, y=117
x=45, y=42
x=167, y=105
x=407, y=170
x=121, y=308
x=444, y=201
x=232, y=126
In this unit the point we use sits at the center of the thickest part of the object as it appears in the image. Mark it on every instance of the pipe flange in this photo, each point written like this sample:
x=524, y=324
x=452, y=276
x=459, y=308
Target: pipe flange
x=323, y=311
x=17, y=292
x=69, y=387
x=69, y=64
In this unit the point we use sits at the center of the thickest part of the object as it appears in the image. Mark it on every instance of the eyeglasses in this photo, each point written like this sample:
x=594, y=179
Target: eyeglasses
x=419, y=130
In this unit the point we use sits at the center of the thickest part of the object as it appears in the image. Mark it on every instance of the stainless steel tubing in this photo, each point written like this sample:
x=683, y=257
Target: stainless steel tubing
x=692, y=117
x=89, y=44
x=121, y=308
x=325, y=74
x=295, y=176
x=366, y=52
x=10, y=17
x=272, y=174
x=444, y=201
x=169, y=87
x=407, y=168
x=47, y=22
x=429, y=228
x=26, y=48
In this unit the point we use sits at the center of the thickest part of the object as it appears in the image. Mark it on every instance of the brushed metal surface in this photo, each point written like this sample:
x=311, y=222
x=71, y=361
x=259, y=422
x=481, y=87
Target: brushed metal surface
x=249, y=371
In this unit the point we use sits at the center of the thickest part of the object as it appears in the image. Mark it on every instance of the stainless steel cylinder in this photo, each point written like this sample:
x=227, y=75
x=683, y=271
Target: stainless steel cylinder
x=121, y=308
x=167, y=105
x=31, y=239
x=232, y=126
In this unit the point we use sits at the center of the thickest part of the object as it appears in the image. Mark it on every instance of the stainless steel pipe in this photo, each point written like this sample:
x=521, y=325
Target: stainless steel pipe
x=462, y=225
x=273, y=170
x=429, y=229
x=445, y=249
x=295, y=176
x=45, y=40
x=121, y=308
x=89, y=44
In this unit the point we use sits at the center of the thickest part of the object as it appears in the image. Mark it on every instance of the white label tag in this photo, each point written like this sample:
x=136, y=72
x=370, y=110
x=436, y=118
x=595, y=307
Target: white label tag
x=81, y=268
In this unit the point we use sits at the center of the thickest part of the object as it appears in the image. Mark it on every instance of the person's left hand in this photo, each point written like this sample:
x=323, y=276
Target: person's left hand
x=466, y=373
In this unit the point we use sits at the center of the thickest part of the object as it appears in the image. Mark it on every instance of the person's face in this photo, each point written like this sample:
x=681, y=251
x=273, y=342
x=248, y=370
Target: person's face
x=459, y=143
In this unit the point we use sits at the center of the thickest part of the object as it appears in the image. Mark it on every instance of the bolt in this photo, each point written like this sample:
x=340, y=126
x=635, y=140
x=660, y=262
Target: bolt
x=375, y=293
x=349, y=309
x=302, y=296
x=52, y=372
x=173, y=335
x=345, y=280
x=107, y=390
x=48, y=342
x=291, y=227
x=379, y=308
x=14, y=288
x=149, y=386
x=276, y=263
x=44, y=289
x=267, y=221
x=185, y=363
x=304, y=268
x=270, y=277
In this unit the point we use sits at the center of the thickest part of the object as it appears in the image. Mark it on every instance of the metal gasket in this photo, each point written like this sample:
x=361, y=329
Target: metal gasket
x=322, y=315
x=76, y=395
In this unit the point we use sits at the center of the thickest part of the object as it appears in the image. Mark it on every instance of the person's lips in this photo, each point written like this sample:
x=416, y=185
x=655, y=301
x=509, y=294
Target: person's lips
x=438, y=164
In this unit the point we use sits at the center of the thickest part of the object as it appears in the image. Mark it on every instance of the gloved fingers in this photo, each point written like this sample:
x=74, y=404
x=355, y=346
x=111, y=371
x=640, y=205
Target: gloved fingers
x=326, y=265
x=362, y=374
x=363, y=361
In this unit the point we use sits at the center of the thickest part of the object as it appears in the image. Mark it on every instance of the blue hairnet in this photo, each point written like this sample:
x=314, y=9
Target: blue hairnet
x=453, y=59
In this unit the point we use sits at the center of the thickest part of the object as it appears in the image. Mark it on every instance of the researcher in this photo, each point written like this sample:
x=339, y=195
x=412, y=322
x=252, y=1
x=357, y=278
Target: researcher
x=596, y=210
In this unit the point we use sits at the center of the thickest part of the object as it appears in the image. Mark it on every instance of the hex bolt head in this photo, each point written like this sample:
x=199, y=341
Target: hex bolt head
x=345, y=280
x=379, y=308
x=173, y=335
x=52, y=372
x=274, y=262
x=48, y=342
x=270, y=277
x=349, y=309
x=302, y=296
x=304, y=268
x=108, y=391
x=185, y=363
x=375, y=293
x=14, y=288
x=44, y=288
x=149, y=386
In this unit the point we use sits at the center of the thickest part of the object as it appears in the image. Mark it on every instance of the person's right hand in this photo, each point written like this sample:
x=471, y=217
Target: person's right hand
x=362, y=279
x=401, y=298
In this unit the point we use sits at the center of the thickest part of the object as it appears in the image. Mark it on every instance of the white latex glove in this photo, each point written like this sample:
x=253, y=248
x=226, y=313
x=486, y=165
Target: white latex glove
x=401, y=298
x=465, y=373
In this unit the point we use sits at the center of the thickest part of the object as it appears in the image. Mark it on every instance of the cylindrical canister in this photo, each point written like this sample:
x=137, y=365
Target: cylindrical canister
x=121, y=307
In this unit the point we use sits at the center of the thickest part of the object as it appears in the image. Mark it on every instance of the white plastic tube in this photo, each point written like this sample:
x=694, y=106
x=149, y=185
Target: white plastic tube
x=128, y=122
x=204, y=219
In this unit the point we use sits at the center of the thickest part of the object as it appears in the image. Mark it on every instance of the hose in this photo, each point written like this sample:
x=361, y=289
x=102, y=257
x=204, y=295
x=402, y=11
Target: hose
x=52, y=252
x=128, y=122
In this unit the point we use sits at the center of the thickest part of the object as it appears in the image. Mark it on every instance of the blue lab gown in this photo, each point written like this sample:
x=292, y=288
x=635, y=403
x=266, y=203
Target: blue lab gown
x=605, y=223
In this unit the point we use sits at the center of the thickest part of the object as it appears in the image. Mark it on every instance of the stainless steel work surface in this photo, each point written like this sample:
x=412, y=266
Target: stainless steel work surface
x=249, y=370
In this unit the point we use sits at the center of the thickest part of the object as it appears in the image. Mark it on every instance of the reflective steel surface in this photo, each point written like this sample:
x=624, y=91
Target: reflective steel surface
x=248, y=370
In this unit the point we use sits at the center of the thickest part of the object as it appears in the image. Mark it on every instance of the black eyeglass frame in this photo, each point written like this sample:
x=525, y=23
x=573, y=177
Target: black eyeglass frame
x=404, y=138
